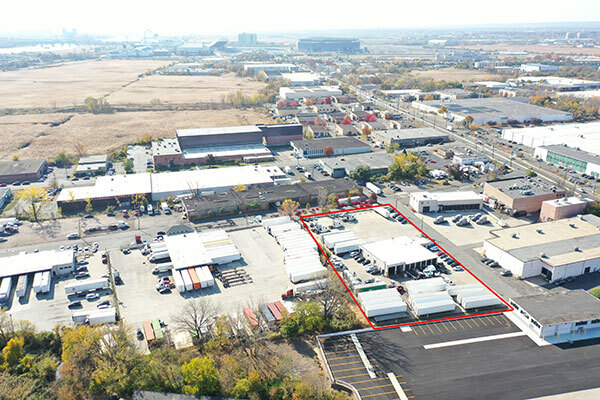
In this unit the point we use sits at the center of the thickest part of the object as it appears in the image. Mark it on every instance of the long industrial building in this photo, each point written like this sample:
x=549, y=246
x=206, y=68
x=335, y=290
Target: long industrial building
x=424, y=202
x=308, y=92
x=493, y=109
x=58, y=262
x=555, y=249
x=579, y=160
x=195, y=146
x=329, y=45
x=122, y=189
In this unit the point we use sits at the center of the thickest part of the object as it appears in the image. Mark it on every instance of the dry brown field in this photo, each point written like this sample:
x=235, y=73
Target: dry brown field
x=101, y=133
x=455, y=74
x=184, y=89
x=65, y=85
x=538, y=49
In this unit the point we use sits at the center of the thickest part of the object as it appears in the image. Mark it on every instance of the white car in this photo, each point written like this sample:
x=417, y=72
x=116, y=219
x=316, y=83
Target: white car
x=92, y=296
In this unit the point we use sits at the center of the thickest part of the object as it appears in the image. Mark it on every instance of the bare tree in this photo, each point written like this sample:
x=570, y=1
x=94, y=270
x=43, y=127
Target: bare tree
x=197, y=317
x=332, y=296
x=322, y=197
x=80, y=149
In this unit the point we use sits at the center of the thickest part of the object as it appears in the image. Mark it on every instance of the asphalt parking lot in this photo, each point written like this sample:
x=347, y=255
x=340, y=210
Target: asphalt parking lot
x=467, y=364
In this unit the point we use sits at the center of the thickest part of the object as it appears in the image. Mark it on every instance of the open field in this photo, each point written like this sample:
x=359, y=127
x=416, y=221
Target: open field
x=101, y=133
x=184, y=89
x=64, y=85
x=534, y=48
x=455, y=74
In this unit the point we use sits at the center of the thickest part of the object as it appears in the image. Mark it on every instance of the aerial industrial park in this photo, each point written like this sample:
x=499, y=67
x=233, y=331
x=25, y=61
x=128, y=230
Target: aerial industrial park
x=395, y=215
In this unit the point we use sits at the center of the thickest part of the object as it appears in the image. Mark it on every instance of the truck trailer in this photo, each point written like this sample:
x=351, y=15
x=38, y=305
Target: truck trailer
x=102, y=317
x=92, y=284
x=5, y=287
x=22, y=282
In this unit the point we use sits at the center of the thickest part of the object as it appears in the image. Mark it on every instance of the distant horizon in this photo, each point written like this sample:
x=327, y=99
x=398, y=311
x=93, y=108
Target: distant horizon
x=269, y=17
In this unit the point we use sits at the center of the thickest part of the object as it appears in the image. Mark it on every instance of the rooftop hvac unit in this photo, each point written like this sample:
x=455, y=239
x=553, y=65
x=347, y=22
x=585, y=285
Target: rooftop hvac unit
x=514, y=236
x=543, y=255
x=576, y=248
x=572, y=225
x=541, y=232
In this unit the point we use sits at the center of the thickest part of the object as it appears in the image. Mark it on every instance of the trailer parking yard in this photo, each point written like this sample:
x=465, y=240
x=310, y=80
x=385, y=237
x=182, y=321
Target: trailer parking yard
x=462, y=361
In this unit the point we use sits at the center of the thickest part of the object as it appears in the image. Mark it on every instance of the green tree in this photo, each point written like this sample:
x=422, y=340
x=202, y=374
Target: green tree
x=62, y=159
x=361, y=173
x=13, y=352
x=593, y=208
x=36, y=198
x=467, y=121
x=128, y=165
x=407, y=166
x=88, y=206
x=393, y=147
x=201, y=377
x=289, y=207
x=531, y=173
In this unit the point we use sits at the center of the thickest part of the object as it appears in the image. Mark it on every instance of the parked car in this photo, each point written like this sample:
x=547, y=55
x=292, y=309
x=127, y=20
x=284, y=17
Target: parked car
x=505, y=272
x=139, y=334
x=74, y=304
x=92, y=296
x=73, y=236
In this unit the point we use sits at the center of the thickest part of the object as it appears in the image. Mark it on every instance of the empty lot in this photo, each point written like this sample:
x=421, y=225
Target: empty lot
x=455, y=74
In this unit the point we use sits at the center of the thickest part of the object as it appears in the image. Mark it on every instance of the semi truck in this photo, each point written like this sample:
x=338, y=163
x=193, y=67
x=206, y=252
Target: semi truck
x=383, y=211
x=93, y=284
x=164, y=267
x=159, y=256
x=373, y=188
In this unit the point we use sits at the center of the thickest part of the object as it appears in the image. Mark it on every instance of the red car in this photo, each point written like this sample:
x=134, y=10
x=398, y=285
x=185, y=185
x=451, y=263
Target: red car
x=104, y=259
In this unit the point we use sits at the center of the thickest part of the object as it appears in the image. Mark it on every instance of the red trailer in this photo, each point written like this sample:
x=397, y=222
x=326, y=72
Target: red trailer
x=275, y=311
x=194, y=277
x=251, y=317
x=148, y=332
x=281, y=308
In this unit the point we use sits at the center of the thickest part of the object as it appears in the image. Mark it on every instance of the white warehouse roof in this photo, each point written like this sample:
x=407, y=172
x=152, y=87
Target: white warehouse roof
x=400, y=250
x=447, y=196
x=193, y=249
x=27, y=263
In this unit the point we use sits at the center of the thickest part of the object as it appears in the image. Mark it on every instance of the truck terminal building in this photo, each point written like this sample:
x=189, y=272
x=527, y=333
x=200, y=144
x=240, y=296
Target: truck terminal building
x=424, y=202
x=520, y=196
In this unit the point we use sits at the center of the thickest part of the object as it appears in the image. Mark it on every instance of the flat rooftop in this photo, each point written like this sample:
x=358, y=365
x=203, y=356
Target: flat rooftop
x=448, y=196
x=493, y=107
x=559, y=307
x=516, y=187
x=335, y=142
x=109, y=187
x=166, y=147
x=20, y=167
x=187, y=250
x=577, y=154
x=28, y=263
x=221, y=130
x=227, y=151
x=399, y=250
x=412, y=133
x=101, y=158
x=567, y=201
x=544, y=233
x=374, y=160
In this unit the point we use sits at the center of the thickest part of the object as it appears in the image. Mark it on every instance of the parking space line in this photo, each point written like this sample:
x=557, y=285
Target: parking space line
x=374, y=387
x=445, y=327
x=410, y=397
x=337, y=352
x=367, y=380
x=482, y=321
x=349, y=369
x=475, y=322
x=339, y=358
x=461, y=325
x=345, y=363
x=415, y=331
x=452, y=325
x=490, y=320
x=428, y=327
x=422, y=330
x=497, y=319
x=467, y=323
x=378, y=394
x=351, y=376
x=438, y=328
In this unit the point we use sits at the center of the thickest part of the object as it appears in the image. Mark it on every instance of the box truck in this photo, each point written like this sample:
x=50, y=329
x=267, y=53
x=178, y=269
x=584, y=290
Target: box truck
x=92, y=284
x=159, y=256
x=373, y=188
x=383, y=211
x=288, y=170
x=165, y=208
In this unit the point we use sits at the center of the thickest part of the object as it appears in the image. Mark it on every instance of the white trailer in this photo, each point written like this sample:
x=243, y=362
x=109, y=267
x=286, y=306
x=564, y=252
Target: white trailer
x=312, y=285
x=37, y=281
x=5, y=287
x=288, y=170
x=434, y=307
x=92, y=284
x=157, y=257
x=306, y=274
x=179, y=284
x=486, y=300
x=383, y=211
x=164, y=267
x=376, y=310
x=46, y=282
x=209, y=276
x=187, y=281
x=275, y=221
x=80, y=316
x=22, y=282
x=102, y=317
x=373, y=188
x=347, y=246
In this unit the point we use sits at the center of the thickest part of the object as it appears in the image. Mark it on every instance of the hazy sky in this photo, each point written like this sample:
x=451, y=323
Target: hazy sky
x=207, y=17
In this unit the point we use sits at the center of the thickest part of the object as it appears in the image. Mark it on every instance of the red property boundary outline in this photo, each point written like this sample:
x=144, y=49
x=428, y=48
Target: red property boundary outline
x=510, y=308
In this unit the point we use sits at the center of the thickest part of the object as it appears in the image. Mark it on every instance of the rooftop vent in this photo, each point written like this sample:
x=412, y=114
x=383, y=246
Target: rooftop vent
x=543, y=255
x=541, y=232
x=576, y=248
x=573, y=226
x=514, y=236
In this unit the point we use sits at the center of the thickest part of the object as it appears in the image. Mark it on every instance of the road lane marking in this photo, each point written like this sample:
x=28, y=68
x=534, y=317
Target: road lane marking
x=473, y=340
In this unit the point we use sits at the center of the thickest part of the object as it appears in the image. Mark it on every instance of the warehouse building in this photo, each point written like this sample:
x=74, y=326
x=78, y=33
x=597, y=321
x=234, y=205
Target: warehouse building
x=329, y=45
x=569, y=314
x=424, y=202
x=121, y=190
x=538, y=68
x=583, y=136
x=232, y=143
x=302, y=78
x=22, y=170
x=556, y=249
x=308, y=92
x=59, y=262
x=579, y=160
x=409, y=137
x=254, y=200
x=520, y=196
x=493, y=109
x=340, y=146
x=565, y=207
x=261, y=67
x=92, y=165
x=398, y=255
x=340, y=166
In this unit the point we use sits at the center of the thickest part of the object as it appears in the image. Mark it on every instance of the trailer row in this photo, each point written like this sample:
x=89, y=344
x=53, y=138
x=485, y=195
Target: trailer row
x=193, y=278
x=269, y=313
x=42, y=282
x=153, y=331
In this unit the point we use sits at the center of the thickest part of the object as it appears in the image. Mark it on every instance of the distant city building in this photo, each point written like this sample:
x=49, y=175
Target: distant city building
x=538, y=68
x=579, y=160
x=260, y=67
x=307, y=92
x=329, y=45
x=247, y=39
x=302, y=78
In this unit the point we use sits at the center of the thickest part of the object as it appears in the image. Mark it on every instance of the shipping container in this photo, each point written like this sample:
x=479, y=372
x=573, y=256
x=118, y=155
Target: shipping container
x=275, y=311
x=186, y=279
x=178, y=280
x=194, y=277
x=80, y=316
x=284, y=312
x=22, y=282
x=148, y=332
x=92, y=284
x=158, y=332
x=5, y=288
x=250, y=317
